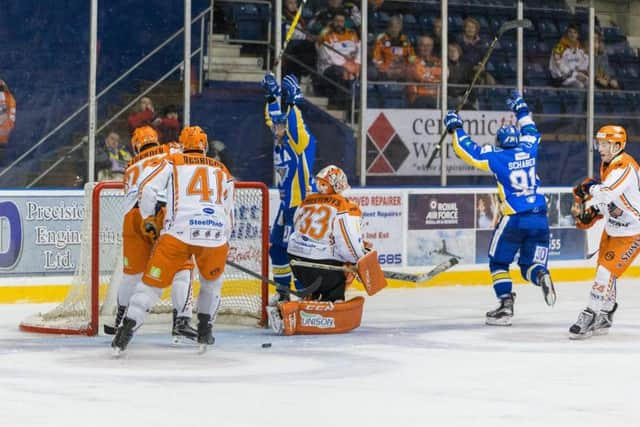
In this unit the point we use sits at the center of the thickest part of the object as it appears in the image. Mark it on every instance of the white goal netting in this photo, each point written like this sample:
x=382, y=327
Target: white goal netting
x=92, y=295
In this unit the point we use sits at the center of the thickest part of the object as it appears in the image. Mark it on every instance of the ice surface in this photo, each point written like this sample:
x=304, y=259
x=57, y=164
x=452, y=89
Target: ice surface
x=423, y=357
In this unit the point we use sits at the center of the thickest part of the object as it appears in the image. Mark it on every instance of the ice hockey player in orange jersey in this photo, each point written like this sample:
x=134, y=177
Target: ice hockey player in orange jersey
x=326, y=231
x=616, y=199
x=198, y=222
x=136, y=247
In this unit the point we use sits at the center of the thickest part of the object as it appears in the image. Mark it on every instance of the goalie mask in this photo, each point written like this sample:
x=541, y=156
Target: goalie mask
x=143, y=136
x=332, y=179
x=613, y=135
x=193, y=139
x=507, y=137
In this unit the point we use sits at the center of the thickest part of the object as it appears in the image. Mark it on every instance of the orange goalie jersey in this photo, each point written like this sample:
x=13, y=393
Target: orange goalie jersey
x=327, y=227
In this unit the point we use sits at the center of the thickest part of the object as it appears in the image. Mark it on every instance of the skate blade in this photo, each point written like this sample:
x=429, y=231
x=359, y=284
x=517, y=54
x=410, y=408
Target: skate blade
x=109, y=330
x=550, y=299
x=182, y=340
x=117, y=352
x=202, y=349
x=499, y=322
x=601, y=332
x=578, y=337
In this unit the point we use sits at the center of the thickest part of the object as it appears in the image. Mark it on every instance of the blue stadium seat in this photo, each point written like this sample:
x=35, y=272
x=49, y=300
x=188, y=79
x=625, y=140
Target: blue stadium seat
x=550, y=102
x=613, y=35
x=393, y=96
x=574, y=101
x=425, y=23
x=547, y=29
x=535, y=74
x=455, y=23
x=602, y=102
x=621, y=102
x=410, y=24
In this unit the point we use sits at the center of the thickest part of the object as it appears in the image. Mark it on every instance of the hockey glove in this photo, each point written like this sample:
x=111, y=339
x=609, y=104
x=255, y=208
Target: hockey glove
x=452, y=121
x=150, y=228
x=517, y=104
x=585, y=217
x=581, y=191
x=291, y=89
x=270, y=85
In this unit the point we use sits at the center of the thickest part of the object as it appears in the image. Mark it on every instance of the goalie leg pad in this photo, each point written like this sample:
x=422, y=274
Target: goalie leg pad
x=371, y=274
x=318, y=317
x=169, y=255
x=135, y=247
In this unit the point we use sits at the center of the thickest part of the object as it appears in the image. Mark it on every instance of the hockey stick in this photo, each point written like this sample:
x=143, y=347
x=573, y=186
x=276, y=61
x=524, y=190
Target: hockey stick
x=287, y=39
x=506, y=26
x=406, y=277
x=301, y=293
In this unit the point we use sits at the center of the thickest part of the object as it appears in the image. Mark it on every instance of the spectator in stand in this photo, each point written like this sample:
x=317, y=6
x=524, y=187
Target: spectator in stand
x=7, y=117
x=569, y=62
x=338, y=58
x=392, y=53
x=473, y=47
x=323, y=17
x=218, y=151
x=169, y=125
x=301, y=45
x=112, y=158
x=436, y=35
x=460, y=75
x=427, y=68
x=145, y=115
x=604, y=73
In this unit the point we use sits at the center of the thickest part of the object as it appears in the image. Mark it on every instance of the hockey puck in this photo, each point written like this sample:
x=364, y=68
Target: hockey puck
x=266, y=345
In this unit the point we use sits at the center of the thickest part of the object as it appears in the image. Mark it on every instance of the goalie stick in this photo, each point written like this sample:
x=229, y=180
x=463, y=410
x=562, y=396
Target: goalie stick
x=301, y=293
x=506, y=26
x=406, y=277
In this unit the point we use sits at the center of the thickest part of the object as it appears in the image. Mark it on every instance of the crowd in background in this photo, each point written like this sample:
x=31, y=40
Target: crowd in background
x=329, y=44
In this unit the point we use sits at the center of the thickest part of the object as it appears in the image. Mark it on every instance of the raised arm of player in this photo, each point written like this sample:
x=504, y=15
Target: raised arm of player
x=464, y=147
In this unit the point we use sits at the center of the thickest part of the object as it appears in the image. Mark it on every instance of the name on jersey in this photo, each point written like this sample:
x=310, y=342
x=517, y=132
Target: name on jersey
x=521, y=164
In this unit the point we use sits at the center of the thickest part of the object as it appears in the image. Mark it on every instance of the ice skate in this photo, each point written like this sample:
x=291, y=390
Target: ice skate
x=123, y=336
x=583, y=328
x=548, y=290
x=603, y=321
x=182, y=329
x=279, y=297
x=205, y=334
x=111, y=330
x=502, y=315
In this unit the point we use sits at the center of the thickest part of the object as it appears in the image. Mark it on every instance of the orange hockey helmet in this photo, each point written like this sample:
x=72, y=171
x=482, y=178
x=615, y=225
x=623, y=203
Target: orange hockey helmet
x=612, y=134
x=142, y=136
x=332, y=179
x=193, y=138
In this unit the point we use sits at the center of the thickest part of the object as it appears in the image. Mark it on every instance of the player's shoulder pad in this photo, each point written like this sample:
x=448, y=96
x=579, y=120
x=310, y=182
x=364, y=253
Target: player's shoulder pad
x=621, y=162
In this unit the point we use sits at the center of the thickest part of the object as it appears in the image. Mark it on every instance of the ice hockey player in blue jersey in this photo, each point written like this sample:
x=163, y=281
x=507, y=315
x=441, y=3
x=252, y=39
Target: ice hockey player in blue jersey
x=524, y=226
x=293, y=155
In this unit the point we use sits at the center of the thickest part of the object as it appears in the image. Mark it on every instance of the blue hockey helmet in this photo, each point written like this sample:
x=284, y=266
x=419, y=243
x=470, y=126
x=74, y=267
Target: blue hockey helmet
x=508, y=137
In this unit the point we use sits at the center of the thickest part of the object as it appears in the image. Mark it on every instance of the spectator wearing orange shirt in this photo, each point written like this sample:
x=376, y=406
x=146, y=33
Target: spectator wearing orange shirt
x=392, y=53
x=7, y=114
x=338, y=58
x=427, y=68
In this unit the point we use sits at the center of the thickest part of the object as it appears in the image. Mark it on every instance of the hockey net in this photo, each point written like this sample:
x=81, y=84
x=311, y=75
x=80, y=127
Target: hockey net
x=92, y=296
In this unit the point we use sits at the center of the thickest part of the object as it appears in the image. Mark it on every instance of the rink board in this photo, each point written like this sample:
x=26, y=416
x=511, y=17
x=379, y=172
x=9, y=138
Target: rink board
x=412, y=229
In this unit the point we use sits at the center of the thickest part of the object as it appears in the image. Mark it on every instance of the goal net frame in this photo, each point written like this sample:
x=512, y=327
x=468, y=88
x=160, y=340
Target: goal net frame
x=37, y=323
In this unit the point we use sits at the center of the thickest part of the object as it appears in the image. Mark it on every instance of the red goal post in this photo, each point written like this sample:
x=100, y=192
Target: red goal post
x=94, y=285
